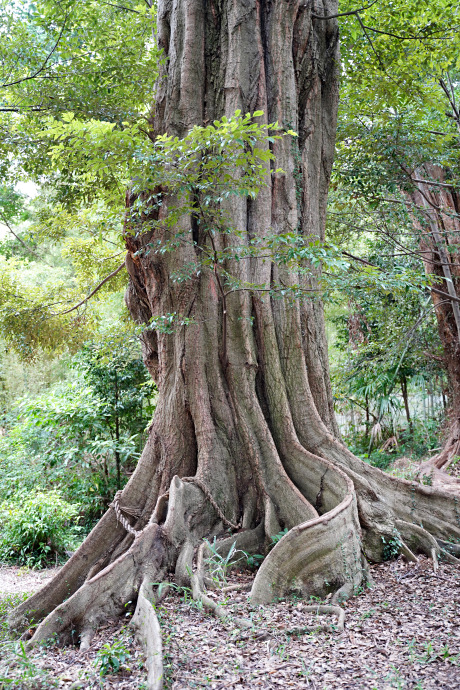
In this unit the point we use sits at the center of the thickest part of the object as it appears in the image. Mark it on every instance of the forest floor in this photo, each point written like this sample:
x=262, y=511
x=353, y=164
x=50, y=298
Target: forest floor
x=402, y=633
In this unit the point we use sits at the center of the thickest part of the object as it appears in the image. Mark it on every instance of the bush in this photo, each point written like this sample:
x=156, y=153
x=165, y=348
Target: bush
x=111, y=657
x=415, y=444
x=73, y=445
x=36, y=526
x=82, y=437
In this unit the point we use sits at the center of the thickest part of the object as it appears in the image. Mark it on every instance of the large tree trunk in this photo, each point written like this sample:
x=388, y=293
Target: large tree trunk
x=244, y=437
x=437, y=222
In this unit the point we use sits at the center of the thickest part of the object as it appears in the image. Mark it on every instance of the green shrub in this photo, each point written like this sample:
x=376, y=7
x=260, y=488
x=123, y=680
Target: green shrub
x=111, y=657
x=83, y=436
x=277, y=537
x=391, y=546
x=36, y=526
x=416, y=443
x=7, y=603
x=379, y=458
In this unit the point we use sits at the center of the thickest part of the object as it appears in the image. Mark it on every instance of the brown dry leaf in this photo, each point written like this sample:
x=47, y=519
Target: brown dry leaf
x=403, y=633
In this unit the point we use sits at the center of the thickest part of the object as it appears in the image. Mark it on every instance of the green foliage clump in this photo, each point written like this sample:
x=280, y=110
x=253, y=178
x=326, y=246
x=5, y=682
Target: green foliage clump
x=253, y=560
x=277, y=537
x=36, y=526
x=111, y=657
x=415, y=443
x=83, y=436
x=7, y=603
x=391, y=546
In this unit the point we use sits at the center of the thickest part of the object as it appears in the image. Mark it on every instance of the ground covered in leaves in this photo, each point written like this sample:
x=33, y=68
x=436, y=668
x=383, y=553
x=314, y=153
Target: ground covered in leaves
x=402, y=633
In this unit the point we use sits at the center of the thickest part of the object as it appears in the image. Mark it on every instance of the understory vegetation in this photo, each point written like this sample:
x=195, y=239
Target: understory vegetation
x=65, y=452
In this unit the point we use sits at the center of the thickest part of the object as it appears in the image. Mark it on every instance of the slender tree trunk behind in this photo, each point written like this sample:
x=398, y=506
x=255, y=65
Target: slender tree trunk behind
x=117, y=435
x=438, y=224
x=405, y=396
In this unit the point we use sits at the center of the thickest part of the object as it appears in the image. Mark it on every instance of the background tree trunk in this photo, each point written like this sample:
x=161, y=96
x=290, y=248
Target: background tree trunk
x=244, y=436
x=438, y=224
x=403, y=382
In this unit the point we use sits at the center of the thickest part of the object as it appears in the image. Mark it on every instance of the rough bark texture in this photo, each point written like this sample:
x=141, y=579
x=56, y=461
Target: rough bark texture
x=438, y=224
x=244, y=436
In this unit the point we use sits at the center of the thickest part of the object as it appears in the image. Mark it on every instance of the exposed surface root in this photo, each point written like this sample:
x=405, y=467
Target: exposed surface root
x=198, y=593
x=449, y=552
x=330, y=543
x=146, y=623
x=409, y=601
x=419, y=540
x=183, y=569
x=243, y=587
x=449, y=451
x=106, y=593
x=215, y=608
x=324, y=609
x=86, y=637
x=450, y=559
x=343, y=593
x=434, y=470
x=406, y=552
x=430, y=475
x=453, y=549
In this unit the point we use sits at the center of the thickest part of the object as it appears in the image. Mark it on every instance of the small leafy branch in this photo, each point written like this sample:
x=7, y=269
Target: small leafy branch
x=217, y=564
x=391, y=546
x=277, y=537
x=111, y=657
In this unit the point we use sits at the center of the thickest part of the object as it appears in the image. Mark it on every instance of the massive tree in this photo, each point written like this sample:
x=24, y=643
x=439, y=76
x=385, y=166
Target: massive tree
x=243, y=442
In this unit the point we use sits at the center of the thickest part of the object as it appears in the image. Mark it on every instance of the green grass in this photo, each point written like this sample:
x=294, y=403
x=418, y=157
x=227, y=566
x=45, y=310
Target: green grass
x=22, y=674
x=7, y=603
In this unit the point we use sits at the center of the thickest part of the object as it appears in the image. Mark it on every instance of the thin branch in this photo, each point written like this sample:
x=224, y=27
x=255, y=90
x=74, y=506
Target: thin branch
x=452, y=298
x=40, y=69
x=370, y=42
x=355, y=402
x=432, y=182
x=451, y=98
x=343, y=14
x=26, y=247
x=121, y=7
x=114, y=256
x=412, y=38
x=98, y=287
x=19, y=109
x=358, y=258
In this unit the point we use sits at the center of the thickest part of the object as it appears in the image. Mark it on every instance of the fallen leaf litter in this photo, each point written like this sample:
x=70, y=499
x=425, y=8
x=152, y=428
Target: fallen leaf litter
x=402, y=633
